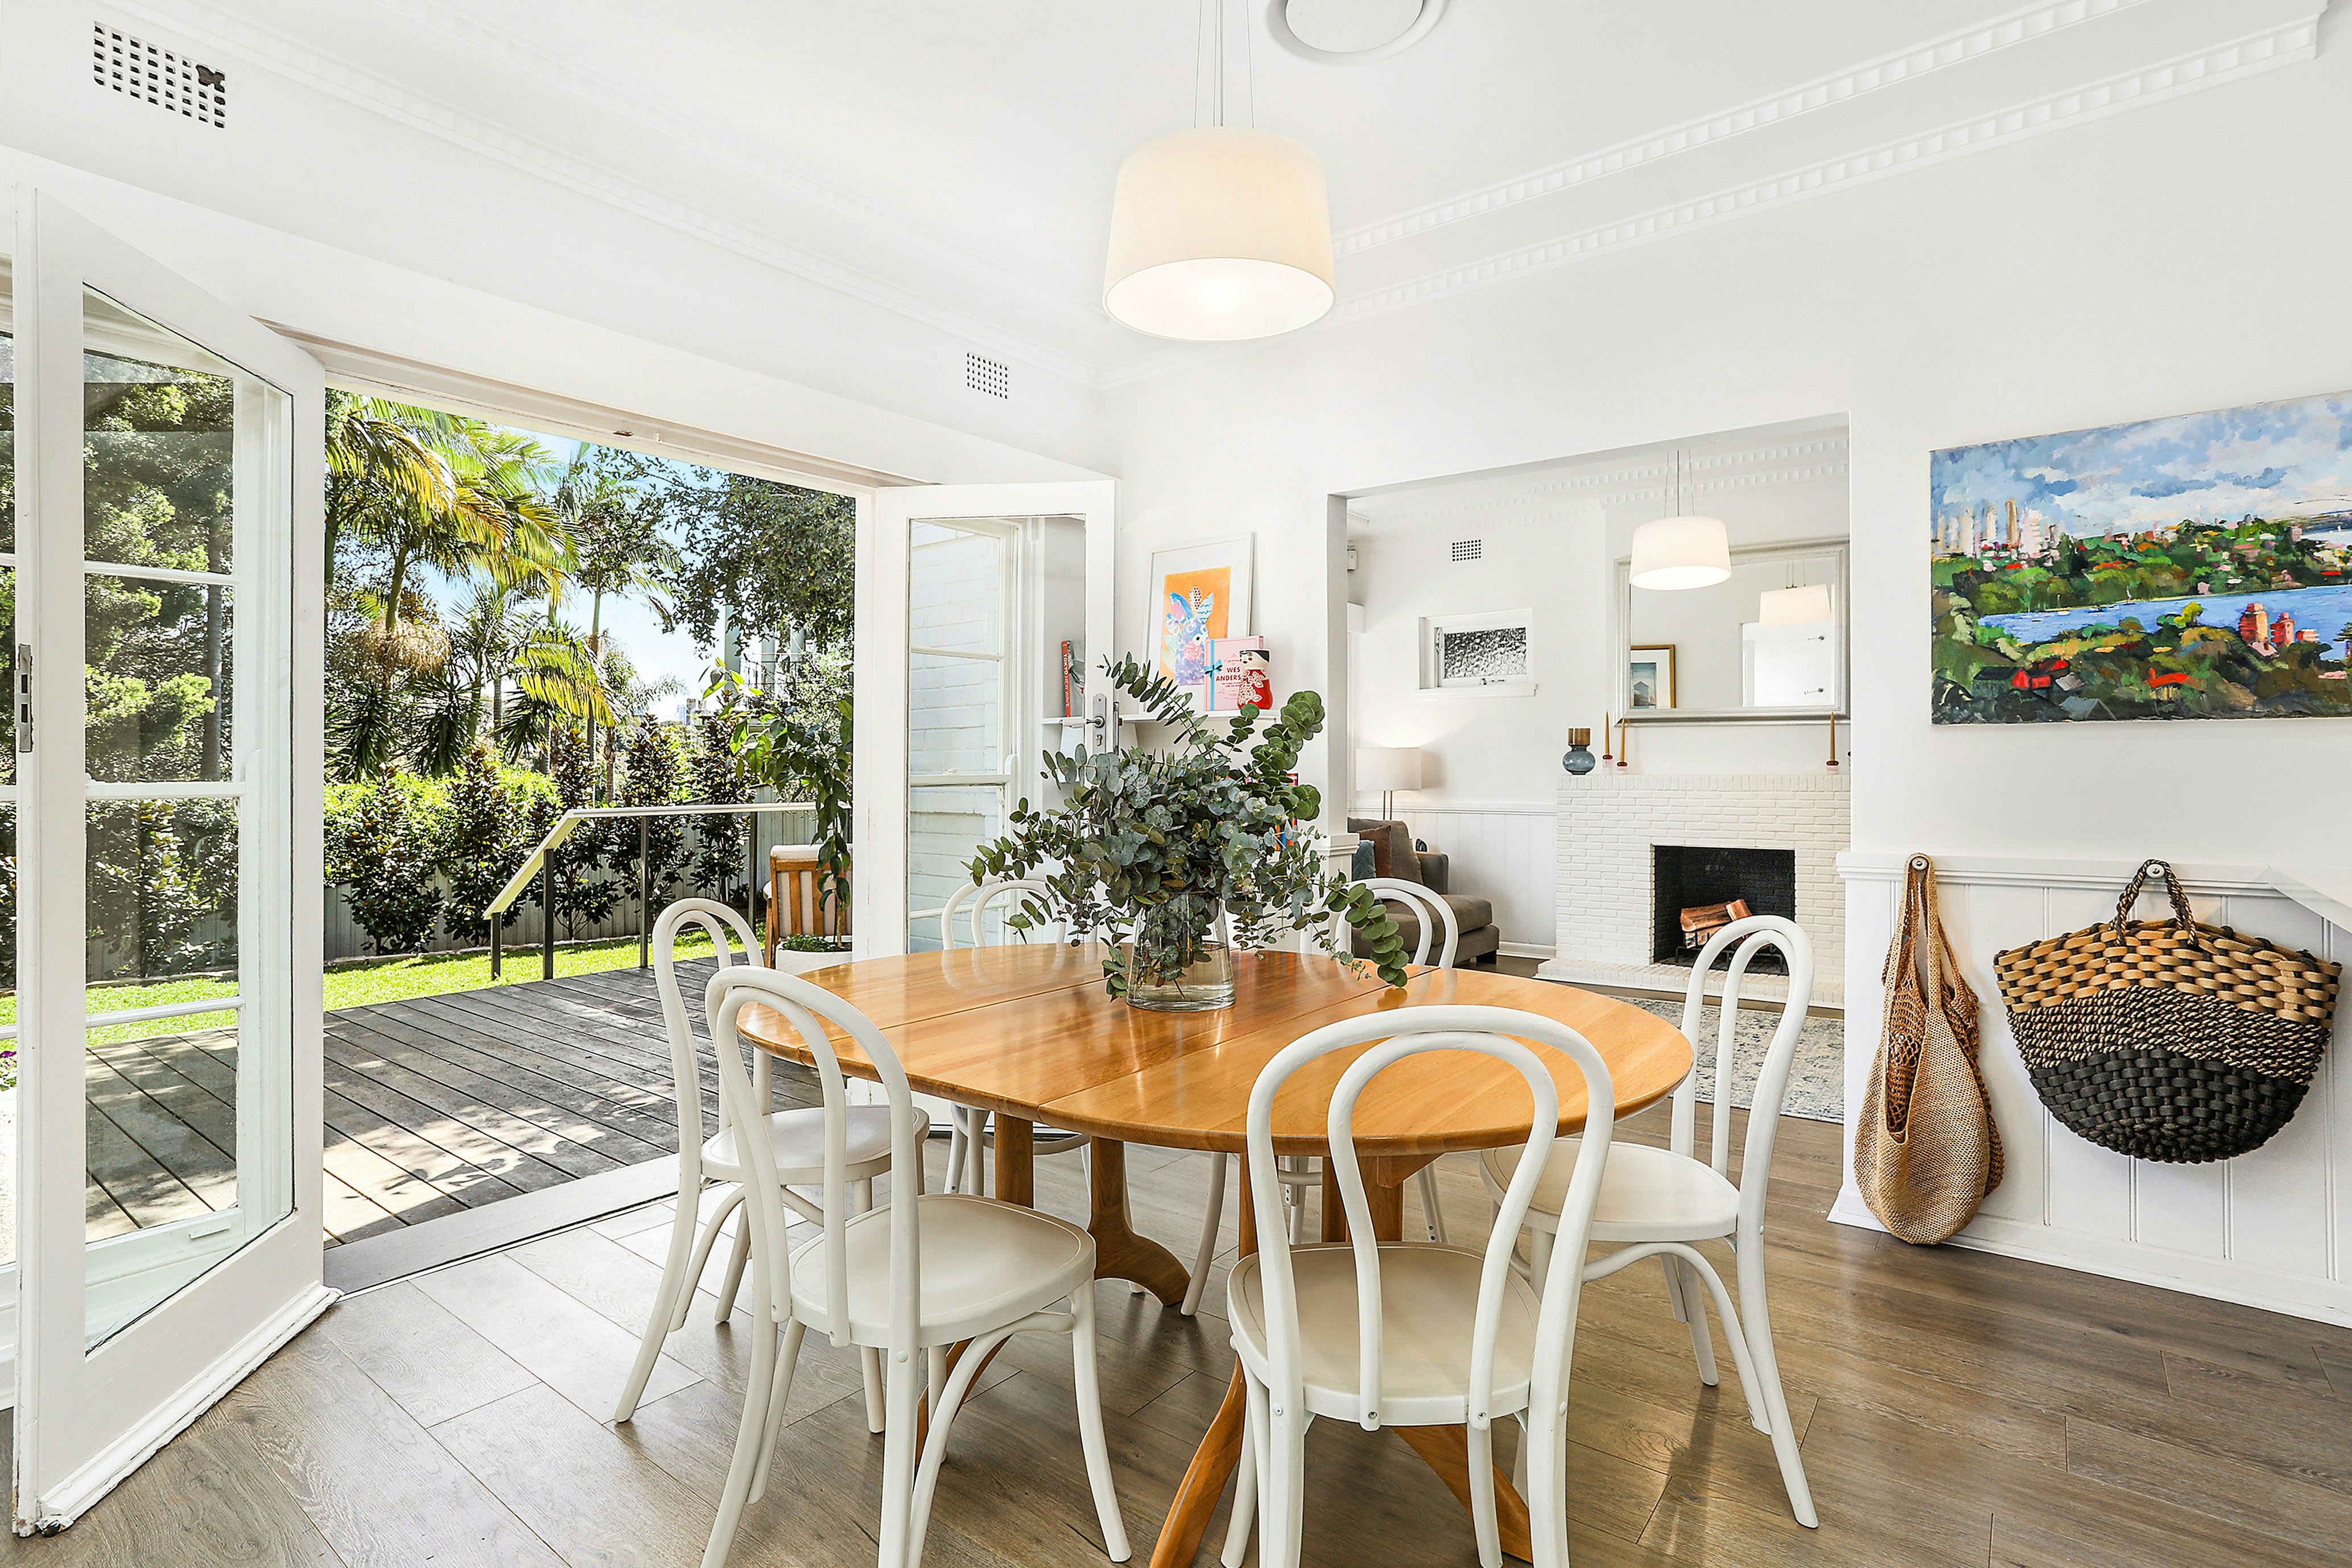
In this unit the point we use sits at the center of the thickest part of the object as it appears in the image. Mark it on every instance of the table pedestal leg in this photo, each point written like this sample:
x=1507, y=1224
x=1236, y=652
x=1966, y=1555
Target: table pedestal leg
x=1016, y=1161
x=1119, y=1252
x=1445, y=1449
x=1213, y=1462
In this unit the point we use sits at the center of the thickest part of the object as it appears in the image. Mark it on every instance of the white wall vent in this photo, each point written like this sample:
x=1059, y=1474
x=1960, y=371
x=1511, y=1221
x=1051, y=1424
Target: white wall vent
x=992, y=376
x=1468, y=550
x=155, y=75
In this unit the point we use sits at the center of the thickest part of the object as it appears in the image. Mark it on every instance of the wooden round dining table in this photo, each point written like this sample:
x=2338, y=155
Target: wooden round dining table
x=1026, y=1032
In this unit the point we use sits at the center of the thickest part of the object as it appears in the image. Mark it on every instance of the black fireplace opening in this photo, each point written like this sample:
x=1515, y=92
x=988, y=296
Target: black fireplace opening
x=1684, y=876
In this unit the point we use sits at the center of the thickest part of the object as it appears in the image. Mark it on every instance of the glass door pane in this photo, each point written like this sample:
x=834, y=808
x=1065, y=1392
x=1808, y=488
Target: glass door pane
x=957, y=696
x=967, y=596
x=182, y=454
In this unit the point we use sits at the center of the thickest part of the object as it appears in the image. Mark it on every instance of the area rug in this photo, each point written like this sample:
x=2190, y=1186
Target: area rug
x=1816, y=1077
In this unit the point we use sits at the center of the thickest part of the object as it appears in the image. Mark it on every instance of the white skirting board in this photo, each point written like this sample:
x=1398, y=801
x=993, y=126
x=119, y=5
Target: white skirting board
x=2272, y=1228
x=2220, y=1280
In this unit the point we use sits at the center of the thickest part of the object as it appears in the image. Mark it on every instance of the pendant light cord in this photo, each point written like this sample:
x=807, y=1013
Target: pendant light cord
x=1249, y=77
x=1218, y=79
x=1209, y=35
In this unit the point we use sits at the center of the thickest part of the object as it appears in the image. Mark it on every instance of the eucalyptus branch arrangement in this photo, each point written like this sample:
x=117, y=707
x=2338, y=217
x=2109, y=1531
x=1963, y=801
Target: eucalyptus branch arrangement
x=1147, y=847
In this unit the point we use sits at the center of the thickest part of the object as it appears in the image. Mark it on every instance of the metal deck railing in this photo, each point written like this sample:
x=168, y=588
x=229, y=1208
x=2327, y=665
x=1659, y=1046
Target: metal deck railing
x=541, y=864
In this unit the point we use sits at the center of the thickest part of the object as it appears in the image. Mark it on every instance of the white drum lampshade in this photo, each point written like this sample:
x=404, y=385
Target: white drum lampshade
x=1793, y=606
x=1681, y=552
x=1219, y=235
x=1388, y=769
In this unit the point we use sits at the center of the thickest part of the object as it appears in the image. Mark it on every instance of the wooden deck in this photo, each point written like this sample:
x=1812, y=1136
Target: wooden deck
x=432, y=1107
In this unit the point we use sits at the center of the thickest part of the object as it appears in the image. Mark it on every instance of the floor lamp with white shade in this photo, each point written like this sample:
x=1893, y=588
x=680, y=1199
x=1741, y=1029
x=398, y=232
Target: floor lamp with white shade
x=1388, y=769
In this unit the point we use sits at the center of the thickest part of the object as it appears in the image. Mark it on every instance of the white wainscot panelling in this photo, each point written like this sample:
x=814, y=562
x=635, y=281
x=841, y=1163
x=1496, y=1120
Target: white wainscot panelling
x=1502, y=851
x=2272, y=1228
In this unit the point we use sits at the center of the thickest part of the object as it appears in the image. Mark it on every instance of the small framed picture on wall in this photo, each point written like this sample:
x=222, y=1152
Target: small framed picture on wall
x=1200, y=594
x=1650, y=676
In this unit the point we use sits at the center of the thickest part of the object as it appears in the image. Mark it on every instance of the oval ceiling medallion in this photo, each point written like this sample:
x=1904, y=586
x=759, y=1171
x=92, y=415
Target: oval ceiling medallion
x=1278, y=24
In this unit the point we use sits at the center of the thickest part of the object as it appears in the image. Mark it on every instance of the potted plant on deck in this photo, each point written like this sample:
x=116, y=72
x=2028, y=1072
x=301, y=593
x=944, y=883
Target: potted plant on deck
x=1176, y=856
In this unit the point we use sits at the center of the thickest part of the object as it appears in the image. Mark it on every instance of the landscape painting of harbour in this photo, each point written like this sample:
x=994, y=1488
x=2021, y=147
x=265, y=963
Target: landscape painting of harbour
x=2193, y=567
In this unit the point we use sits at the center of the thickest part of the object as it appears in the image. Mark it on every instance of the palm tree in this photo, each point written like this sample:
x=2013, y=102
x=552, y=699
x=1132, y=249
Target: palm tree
x=416, y=489
x=617, y=546
x=444, y=491
x=559, y=685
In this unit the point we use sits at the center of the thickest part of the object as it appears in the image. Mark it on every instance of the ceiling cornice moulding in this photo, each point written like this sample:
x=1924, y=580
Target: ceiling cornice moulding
x=2018, y=26
x=2265, y=50
x=273, y=51
x=2285, y=43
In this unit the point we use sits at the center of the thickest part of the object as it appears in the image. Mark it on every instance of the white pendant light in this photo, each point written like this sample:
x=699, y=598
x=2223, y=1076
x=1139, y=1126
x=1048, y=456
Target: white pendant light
x=1218, y=234
x=1793, y=606
x=1681, y=552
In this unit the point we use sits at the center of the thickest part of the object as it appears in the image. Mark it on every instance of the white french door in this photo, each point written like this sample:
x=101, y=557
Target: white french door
x=165, y=583
x=966, y=594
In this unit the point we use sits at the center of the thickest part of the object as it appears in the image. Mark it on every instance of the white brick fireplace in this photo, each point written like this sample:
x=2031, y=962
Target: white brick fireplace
x=1609, y=823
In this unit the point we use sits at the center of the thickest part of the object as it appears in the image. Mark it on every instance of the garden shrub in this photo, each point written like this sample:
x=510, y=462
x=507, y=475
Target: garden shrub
x=485, y=835
x=380, y=847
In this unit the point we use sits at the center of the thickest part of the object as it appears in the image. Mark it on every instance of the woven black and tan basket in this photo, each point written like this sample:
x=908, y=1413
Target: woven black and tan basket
x=2168, y=1039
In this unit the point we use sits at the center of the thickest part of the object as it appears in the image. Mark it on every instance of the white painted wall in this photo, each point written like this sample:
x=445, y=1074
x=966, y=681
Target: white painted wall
x=1561, y=562
x=330, y=213
x=2185, y=255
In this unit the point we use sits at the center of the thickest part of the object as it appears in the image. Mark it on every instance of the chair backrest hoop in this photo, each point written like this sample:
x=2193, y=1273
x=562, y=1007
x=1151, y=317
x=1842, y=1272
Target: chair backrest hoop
x=718, y=922
x=1498, y=1032
x=808, y=1009
x=1431, y=913
x=1753, y=935
x=972, y=901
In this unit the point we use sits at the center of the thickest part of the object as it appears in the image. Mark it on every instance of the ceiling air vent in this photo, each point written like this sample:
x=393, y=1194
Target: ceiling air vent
x=155, y=75
x=1468, y=550
x=992, y=376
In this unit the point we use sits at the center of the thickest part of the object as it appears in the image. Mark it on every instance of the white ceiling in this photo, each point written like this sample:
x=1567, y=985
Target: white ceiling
x=963, y=153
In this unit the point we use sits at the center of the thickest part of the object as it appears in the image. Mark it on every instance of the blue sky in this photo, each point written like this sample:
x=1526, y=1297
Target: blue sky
x=2269, y=460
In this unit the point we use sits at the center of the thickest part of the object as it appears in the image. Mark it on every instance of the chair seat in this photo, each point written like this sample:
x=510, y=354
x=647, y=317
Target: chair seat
x=1429, y=1295
x=796, y=1139
x=984, y=1264
x=1647, y=1194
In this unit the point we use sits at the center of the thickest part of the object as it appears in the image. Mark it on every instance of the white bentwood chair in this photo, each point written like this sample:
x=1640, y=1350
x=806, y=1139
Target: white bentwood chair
x=927, y=1271
x=1660, y=1202
x=1298, y=1175
x=969, y=1138
x=795, y=1145
x=1412, y=1333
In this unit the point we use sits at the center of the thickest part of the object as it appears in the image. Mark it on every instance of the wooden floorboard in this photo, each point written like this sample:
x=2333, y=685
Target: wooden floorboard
x=433, y=1107
x=1953, y=1409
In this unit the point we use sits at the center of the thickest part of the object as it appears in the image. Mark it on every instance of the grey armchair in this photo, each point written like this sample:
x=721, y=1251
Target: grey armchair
x=1393, y=843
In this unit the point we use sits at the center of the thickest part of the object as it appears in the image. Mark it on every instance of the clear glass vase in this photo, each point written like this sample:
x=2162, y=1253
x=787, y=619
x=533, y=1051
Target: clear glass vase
x=1173, y=966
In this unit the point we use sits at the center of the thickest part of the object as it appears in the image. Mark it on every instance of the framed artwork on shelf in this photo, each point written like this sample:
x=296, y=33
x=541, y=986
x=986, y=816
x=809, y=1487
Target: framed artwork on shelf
x=1201, y=594
x=1650, y=675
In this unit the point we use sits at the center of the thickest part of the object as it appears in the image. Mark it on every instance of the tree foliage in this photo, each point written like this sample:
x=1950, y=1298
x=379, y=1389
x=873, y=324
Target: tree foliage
x=765, y=558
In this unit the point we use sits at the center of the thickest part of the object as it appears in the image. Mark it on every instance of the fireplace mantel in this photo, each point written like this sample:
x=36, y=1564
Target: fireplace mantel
x=1609, y=823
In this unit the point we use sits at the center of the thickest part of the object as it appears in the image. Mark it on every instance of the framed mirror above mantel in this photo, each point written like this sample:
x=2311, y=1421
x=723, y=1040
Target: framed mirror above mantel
x=1766, y=645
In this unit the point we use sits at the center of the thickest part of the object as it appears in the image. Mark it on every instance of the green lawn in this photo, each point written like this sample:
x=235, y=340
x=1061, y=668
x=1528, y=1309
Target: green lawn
x=360, y=984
